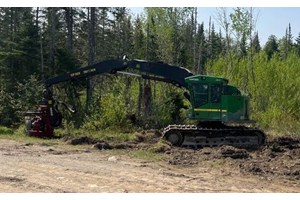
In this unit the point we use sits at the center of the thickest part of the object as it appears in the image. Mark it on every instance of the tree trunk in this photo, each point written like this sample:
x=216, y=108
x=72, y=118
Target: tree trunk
x=199, y=67
x=147, y=99
x=69, y=21
x=41, y=42
x=251, y=46
x=127, y=92
x=102, y=48
x=53, y=39
x=12, y=40
x=194, y=37
x=91, y=36
x=37, y=17
x=139, y=108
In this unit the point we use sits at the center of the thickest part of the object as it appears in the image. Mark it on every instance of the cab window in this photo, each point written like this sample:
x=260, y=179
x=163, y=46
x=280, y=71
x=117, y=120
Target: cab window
x=216, y=92
x=200, y=94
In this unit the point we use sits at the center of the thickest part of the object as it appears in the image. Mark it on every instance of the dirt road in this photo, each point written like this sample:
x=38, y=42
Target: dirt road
x=66, y=168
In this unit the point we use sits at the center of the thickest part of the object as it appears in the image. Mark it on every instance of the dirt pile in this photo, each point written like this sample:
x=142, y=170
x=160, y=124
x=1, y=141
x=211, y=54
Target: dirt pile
x=80, y=140
x=182, y=156
x=151, y=136
x=232, y=152
x=186, y=157
x=279, y=157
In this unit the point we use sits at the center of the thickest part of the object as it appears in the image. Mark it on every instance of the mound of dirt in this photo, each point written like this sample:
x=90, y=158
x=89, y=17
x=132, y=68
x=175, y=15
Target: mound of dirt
x=184, y=157
x=232, y=152
x=286, y=142
x=151, y=136
x=279, y=157
x=102, y=145
x=81, y=140
x=146, y=137
x=165, y=148
x=124, y=145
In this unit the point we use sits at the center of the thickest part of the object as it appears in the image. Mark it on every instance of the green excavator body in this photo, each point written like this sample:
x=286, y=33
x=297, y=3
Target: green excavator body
x=212, y=99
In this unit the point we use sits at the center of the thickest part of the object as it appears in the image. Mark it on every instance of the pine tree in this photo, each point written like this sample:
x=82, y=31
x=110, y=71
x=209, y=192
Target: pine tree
x=69, y=15
x=287, y=42
x=175, y=35
x=91, y=50
x=19, y=57
x=201, y=44
x=289, y=37
x=297, y=45
x=271, y=46
x=53, y=37
x=255, y=43
x=119, y=14
x=139, y=51
x=139, y=44
x=20, y=48
x=243, y=45
x=103, y=45
x=214, y=43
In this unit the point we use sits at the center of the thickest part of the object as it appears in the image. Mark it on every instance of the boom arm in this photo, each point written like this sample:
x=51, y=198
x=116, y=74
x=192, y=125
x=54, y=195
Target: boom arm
x=149, y=70
x=152, y=70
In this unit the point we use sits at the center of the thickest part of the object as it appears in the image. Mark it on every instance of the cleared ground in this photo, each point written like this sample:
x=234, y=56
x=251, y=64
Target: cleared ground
x=63, y=167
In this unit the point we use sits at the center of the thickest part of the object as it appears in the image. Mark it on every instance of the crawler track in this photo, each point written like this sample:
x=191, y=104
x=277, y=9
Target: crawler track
x=196, y=137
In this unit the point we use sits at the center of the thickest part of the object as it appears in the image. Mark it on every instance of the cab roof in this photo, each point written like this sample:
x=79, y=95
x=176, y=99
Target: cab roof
x=206, y=79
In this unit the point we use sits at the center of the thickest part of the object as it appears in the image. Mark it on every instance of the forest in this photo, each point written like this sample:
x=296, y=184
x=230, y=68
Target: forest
x=39, y=43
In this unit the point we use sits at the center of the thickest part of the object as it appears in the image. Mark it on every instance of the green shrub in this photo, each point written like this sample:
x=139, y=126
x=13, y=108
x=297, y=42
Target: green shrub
x=5, y=130
x=273, y=86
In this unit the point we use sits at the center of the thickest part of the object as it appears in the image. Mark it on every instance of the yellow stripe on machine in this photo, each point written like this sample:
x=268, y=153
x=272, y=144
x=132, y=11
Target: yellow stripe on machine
x=209, y=110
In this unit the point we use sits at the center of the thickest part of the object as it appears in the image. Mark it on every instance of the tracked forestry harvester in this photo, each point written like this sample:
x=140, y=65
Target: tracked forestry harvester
x=219, y=109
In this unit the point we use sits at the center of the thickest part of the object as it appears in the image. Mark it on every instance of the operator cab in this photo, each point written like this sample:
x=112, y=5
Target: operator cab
x=213, y=99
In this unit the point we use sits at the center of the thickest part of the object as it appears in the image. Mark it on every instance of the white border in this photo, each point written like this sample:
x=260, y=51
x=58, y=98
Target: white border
x=152, y=196
x=149, y=3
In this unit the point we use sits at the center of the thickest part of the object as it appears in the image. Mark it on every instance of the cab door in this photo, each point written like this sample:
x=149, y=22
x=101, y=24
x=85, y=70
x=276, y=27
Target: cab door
x=201, y=101
x=215, y=102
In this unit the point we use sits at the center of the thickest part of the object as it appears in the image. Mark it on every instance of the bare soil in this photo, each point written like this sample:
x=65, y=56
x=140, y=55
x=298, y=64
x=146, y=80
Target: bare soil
x=70, y=166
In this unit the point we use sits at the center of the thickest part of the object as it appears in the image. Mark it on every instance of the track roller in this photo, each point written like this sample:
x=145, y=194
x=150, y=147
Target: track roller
x=175, y=138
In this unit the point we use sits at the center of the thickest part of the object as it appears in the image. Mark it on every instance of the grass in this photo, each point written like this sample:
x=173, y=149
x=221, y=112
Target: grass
x=5, y=130
x=282, y=133
x=279, y=126
x=20, y=136
x=113, y=136
x=160, y=147
x=145, y=155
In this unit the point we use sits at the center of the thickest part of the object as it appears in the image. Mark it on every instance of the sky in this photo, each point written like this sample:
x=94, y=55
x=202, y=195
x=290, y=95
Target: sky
x=269, y=20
